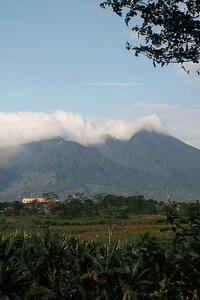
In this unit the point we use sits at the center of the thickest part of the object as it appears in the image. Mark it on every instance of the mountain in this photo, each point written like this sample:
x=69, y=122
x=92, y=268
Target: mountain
x=62, y=166
x=148, y=164
x=166, y=162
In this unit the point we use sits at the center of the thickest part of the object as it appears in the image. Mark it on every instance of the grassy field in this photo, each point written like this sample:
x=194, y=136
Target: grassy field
x=87, y=228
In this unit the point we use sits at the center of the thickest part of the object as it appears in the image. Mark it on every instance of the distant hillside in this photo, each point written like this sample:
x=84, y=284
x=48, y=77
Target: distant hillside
x=62, y=166
x=166, y=162
x=148, y=164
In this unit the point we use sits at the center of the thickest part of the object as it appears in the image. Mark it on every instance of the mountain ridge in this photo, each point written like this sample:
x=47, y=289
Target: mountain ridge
x=148, y=164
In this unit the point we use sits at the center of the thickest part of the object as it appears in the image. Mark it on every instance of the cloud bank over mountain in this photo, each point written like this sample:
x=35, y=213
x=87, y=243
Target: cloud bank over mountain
x=23, y=127
x=183, y=121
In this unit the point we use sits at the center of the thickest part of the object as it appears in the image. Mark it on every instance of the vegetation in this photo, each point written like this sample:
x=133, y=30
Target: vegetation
x=117, y=259
x=48, y=266
x=170, y=29
x=82, y=216
x=80, y=205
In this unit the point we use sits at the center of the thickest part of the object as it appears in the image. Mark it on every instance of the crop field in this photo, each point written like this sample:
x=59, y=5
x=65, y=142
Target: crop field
x=45, y=265
x=87, y=228
x=53, y=256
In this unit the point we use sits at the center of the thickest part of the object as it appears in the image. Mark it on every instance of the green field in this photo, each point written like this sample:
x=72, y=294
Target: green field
x=87, y=228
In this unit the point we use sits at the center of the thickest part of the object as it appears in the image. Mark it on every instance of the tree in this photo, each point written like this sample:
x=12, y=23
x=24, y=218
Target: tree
x=169, y=29
x=50, y=196
x=114, y=212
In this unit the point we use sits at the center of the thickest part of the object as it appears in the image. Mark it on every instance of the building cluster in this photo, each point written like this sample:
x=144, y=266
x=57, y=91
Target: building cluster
x=38, y=200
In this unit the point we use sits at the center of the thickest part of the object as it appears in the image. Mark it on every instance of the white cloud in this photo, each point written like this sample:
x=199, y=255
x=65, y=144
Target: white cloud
x=123, y=130
x=120, y=84
x=23, y=127
x=182, y=121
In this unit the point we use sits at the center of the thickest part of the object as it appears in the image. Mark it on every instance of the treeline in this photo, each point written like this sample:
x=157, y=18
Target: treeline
x=102, y=205
x=106, y=206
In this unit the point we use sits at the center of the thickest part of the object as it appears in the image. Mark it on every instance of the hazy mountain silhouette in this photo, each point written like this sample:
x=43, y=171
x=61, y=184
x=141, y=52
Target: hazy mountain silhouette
x=163, y=158
x=148, y=164
x=62, y=166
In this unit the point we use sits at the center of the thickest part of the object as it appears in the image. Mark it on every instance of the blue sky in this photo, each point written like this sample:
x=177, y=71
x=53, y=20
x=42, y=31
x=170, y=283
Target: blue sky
x=70, y=56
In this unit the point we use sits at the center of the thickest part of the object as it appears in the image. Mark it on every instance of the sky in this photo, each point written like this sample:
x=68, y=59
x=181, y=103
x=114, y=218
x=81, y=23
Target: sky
x=68, y=58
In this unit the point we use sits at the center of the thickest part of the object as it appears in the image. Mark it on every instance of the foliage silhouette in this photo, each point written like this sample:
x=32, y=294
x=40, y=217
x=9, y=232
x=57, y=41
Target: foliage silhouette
x=169, y=29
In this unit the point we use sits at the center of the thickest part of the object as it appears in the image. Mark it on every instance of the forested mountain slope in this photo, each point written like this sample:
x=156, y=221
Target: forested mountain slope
x=148, y=164
x=62, y=166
